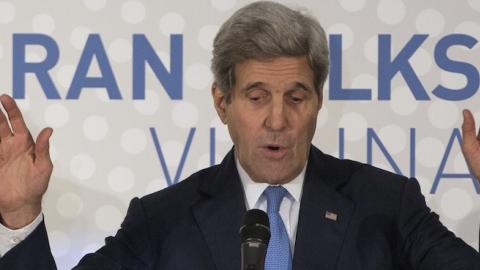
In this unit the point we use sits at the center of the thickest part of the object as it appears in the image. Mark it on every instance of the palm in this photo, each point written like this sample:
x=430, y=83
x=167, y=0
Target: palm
x=471, y=143
x=25, y=165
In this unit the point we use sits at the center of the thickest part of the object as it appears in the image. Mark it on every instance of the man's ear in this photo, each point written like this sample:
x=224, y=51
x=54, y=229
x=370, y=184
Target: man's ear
x=320, y=101
x=219, y=100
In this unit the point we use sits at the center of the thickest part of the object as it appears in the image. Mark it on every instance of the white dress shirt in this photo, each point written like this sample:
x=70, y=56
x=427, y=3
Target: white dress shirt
x=289, y=209
x=10, y=238
x=290, y=206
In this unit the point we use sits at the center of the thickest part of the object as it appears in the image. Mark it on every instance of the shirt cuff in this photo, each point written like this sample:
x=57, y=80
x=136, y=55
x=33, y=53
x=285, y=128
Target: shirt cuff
x=10, y=238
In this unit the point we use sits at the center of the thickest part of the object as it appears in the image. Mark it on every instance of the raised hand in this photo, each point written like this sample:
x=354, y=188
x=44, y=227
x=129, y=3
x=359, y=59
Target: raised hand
x=25, y=167
x=471, y=143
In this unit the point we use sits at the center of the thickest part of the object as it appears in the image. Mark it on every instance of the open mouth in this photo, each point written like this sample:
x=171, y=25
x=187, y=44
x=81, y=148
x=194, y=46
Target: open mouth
x=273, y=148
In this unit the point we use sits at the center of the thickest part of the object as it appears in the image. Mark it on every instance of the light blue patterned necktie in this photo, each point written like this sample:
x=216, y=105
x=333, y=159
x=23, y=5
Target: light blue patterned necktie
x=278, y=253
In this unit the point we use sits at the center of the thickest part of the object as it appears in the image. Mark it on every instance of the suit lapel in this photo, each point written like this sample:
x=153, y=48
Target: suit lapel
x=220, y=215
x=324, y=215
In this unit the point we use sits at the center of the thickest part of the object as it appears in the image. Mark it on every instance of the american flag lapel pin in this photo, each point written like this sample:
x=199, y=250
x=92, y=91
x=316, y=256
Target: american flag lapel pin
x=331, y=215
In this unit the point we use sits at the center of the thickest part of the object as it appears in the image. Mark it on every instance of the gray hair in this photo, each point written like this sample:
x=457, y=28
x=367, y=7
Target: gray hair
x=265, y=30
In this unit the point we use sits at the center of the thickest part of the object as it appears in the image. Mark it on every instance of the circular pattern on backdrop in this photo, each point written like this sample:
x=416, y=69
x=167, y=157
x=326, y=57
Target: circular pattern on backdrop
x=204, y=161
x=421, y=62
x=322, y=117
x=393, y=138
x=155, y=185
x=443, y=114
x=65, y=75
x=364, y=81
x=469, y=28
x=101, y=94
x=206, y=35
x=185, y=114
x=475, y=4
x=7, y=12
x=149, y=105
x=345, y=31
x=429, y=152
x=352, y=5
x=402, y=101
x=355, y=126
x=221, y=130
x=391, y=11
x=43, y=23
x=60, y=243
x=456, y=203
x=133, y=12
x=95, y=127
x=95, y=5
x=172, y=23
x=82, y=166
x=108, y=218
x=23, y=104
x=452, y=80
x=120, y=50
x=459, y=164
x=430, y=21
x=163, y=56
x=121, y=179
x=79, y=36
x=198, y=76
x=32, y=57
x=172, y=152
x=223, y=5
x=370, y=49
x=133, y=141
x=69, y=205
x=56, y=115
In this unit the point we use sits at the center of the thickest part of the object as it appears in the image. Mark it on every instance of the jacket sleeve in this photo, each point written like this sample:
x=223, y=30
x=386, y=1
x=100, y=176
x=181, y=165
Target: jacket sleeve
x=130, y=248
x=428, y=244
x=32, y=253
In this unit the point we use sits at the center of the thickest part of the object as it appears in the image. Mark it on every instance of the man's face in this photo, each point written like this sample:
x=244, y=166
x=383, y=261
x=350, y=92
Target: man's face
x=271, y=116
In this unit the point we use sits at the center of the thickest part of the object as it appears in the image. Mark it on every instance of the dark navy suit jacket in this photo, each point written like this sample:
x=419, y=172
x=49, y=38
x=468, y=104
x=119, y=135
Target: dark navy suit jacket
x=382, y=223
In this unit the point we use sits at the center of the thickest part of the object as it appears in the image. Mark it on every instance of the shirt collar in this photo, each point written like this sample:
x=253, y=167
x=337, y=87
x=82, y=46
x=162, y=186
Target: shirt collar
x=253, y=190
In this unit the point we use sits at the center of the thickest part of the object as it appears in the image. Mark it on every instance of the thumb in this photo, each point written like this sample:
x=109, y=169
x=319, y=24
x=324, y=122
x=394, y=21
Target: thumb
x=42, y=145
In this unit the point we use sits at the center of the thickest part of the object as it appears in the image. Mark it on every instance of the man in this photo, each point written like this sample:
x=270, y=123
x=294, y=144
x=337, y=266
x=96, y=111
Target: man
x=270, y=64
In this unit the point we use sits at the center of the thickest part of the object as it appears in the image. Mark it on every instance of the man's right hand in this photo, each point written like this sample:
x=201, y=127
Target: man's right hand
x=25, y=167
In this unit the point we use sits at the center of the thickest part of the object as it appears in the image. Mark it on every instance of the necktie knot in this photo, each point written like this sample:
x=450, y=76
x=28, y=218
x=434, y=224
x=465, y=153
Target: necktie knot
x=274, y=196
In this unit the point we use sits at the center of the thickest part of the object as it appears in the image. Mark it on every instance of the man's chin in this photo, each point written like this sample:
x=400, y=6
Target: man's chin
x=276, y=176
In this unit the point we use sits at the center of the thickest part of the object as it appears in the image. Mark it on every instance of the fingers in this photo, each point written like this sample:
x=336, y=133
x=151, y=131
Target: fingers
x=42, y=146
x=468, y=128
x=4, y=127
x=14, y=115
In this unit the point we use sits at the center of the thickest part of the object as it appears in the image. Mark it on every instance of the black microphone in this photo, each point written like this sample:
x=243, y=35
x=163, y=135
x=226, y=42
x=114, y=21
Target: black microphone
x=254, y=234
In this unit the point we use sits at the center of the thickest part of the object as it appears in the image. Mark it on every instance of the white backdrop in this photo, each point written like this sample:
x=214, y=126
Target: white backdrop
x=104, y=151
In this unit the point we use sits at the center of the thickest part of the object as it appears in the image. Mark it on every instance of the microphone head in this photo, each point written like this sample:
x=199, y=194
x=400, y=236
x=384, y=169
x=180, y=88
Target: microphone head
x=256, y=226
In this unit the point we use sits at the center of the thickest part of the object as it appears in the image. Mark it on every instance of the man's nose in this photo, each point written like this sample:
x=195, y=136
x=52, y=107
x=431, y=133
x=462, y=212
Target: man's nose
x=277, y=119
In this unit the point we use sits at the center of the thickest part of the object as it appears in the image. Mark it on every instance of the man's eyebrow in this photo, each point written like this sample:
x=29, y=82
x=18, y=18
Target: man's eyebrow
x=296, y=85
x=252, y=85
x=302, y=86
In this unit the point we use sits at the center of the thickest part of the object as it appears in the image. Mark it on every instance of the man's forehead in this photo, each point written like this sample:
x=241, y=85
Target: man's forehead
x=291, y=69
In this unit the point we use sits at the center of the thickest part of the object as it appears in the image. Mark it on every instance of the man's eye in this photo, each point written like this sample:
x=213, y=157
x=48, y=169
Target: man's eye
x=296, y=99
x=256, y=96
x=256, y=99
